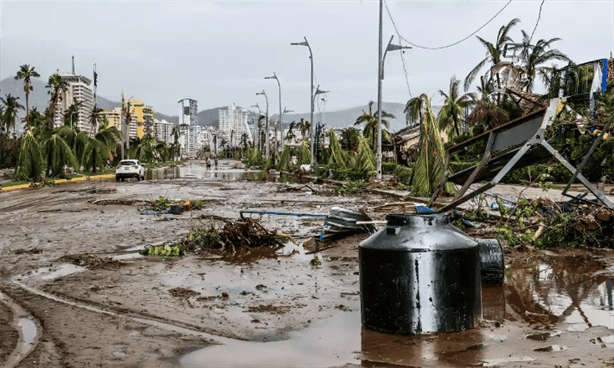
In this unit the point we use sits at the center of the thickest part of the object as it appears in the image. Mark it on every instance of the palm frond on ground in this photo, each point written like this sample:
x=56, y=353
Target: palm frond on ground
x=29, y=163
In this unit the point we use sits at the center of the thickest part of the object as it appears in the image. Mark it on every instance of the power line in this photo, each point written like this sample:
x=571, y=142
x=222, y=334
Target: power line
x=405, y=70
x=536, y=23
x=446, y=46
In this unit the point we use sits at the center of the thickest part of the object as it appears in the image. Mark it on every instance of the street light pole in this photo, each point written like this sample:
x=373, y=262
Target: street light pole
x=267, y=155
x=390, y=47
x=318, y=92
x=257, y=144
x=280, y=120
x=305, y=43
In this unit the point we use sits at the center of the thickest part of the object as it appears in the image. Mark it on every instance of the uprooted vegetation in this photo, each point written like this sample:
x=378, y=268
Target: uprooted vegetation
x=235, y=236
x=243, y=233
x=543, y=223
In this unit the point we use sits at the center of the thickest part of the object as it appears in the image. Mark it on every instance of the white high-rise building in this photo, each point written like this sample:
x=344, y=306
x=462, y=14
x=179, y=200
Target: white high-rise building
x=189, y=112
x=79, y=89
x=163, y=130
x=233, y=124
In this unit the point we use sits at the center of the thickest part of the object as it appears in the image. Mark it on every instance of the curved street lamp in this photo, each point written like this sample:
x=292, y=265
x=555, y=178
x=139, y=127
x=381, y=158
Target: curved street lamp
x=267, y=124
x=280, y=121
x=311, y=95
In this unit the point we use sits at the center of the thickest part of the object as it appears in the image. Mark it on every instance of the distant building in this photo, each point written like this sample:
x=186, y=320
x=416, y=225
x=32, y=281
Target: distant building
x=78, y=89
x=189, y=112
x=143, y=115
x=234, y=119
x=115, y=119
x=188, y=139
x=163, y=131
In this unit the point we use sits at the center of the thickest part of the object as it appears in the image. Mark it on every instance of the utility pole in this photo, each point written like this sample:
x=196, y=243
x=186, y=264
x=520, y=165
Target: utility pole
x=380, y=77
x=311, y=97
x=378, y=155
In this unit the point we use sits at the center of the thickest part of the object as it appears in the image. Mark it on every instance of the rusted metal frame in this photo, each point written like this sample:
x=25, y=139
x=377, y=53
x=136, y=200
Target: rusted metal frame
x=600, y=196
x=494, y=181
x=443, y=181
x=483, y=162
x=586, y=158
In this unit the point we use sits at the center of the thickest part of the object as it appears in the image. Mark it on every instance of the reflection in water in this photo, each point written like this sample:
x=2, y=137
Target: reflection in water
x=561, y=290
x=200, y=172
x=493, y=302
x=459, y=348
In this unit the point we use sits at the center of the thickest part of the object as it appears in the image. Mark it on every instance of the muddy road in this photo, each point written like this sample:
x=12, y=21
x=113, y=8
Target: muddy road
x=75, y=292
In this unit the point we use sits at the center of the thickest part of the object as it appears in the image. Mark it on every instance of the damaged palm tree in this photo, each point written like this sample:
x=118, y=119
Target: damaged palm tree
x=429, y=167
x=29, y=163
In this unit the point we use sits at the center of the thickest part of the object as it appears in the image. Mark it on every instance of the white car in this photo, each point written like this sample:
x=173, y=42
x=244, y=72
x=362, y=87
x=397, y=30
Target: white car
x=129, y=169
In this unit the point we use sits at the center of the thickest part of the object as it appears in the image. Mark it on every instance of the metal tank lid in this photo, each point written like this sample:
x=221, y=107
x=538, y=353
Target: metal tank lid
x=420, y=232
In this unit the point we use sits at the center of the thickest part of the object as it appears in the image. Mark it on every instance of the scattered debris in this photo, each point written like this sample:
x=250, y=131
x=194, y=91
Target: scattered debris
x=183, y=293
x=93, y=262
x=342, y=222
x=27, y=251
x=243, y=233
x=165, y=250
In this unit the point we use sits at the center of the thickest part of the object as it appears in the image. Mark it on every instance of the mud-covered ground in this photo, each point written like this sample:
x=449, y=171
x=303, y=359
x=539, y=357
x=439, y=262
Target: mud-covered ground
x=281, y=310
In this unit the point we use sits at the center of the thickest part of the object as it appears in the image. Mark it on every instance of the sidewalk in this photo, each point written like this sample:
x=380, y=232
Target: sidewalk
x=62, y=181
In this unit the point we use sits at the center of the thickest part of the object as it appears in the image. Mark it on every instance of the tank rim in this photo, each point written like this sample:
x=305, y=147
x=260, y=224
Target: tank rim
x=419, y=219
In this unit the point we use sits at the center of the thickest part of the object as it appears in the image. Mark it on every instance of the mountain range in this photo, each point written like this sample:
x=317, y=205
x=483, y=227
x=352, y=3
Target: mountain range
x=39, y=98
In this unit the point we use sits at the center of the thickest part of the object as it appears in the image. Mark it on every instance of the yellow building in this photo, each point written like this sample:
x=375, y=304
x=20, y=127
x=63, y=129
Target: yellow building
x=113, y=117
x=143, y=114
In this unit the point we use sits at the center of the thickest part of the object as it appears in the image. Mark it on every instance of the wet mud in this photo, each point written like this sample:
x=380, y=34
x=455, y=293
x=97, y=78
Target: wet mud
x=74, y=267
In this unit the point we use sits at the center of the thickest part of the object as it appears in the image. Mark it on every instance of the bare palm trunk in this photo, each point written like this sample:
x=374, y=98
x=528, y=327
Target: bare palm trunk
x=456, y=125
x=27, y=111
x=94, y=161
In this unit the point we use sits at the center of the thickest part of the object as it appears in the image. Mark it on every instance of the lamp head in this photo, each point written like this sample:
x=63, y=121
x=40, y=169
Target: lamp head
x=304, y=43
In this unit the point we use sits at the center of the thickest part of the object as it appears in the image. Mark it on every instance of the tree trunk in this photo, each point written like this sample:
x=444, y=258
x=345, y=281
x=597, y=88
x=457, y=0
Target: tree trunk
x=27, y=110
x=94, y=161
x=456, y=126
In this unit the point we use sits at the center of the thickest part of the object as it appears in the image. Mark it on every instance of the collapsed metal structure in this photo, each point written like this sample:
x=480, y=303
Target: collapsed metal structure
x=518, y=143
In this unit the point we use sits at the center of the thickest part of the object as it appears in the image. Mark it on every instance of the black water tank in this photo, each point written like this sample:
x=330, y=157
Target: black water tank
x=420, y=275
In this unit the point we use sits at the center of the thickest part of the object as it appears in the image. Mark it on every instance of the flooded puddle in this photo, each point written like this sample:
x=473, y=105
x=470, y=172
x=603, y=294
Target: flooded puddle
x=222, y=173
x=50, y=273
x=556, y=309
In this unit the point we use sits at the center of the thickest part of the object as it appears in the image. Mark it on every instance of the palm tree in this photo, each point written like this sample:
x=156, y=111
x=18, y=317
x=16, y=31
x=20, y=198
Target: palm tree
x=56, y=86
x=175, y=134
x=429, y=167
x=305, y=127
x=95, y=118
x=370, y=121
x=11, y=106
x=71, y=115
x=58, y=153
x=26, y=73
x=453, y=108
x=162, y=151
x=349, y=139
x=29, y=162
x=493, y=51
x=534, y=56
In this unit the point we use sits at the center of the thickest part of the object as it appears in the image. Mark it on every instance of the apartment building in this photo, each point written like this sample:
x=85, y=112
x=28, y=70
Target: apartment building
x=78, y=90
x=163, y=131
x=233, y=123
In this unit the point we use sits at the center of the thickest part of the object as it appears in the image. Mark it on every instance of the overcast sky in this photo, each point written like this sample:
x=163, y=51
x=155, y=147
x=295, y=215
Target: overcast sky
x=219, y=52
